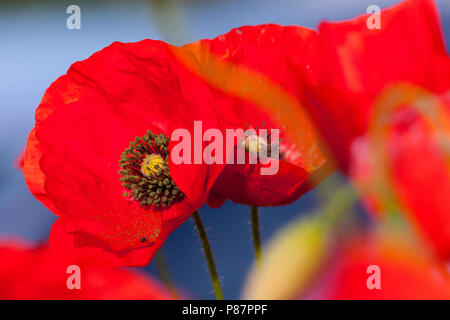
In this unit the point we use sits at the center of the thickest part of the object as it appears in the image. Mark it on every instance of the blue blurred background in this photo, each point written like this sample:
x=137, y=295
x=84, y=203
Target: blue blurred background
x=36, y=47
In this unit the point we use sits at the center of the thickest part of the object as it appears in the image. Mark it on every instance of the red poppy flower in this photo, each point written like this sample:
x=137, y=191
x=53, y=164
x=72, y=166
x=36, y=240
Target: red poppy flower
x=39, y=273
x=98, y=156
x=111, y=110
x=260, y=72
x=382, y=267
x=357, y=63
x=403, y=164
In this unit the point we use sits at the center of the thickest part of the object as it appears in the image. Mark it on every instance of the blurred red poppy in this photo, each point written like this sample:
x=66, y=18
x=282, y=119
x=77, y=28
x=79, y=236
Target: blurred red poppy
x=260, y=72
x=98, y=156
x=403, y=164
x=40, y=273
x=357, y=63
x=381, y=266
x=397, y=166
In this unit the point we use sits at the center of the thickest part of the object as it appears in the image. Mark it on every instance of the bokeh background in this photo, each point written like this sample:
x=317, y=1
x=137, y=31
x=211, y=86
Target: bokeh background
x=36, y=47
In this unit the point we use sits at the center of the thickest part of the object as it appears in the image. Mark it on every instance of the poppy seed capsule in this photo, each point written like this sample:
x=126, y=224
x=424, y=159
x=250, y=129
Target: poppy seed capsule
x=144, y=164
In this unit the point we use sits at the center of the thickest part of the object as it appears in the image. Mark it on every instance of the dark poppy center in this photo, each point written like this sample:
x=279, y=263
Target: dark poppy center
x=145, y=171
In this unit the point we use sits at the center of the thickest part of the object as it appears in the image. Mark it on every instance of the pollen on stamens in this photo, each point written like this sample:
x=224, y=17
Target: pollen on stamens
x=153, y=166
x=145, y=172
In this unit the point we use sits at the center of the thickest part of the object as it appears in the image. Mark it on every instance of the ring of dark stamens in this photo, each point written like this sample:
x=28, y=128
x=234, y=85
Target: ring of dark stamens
x=153, y=190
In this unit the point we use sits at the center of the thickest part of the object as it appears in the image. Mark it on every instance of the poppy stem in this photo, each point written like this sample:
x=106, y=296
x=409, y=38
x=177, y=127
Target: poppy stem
x=256, y=234
x=164, y=273
x=208, y=255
